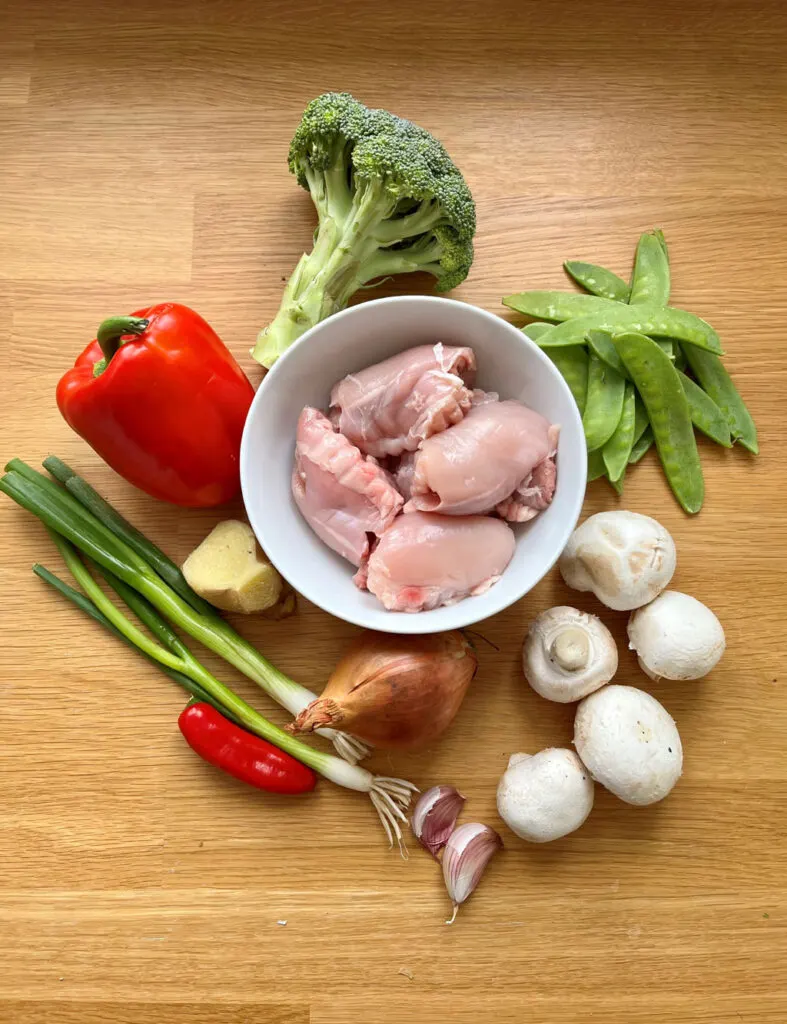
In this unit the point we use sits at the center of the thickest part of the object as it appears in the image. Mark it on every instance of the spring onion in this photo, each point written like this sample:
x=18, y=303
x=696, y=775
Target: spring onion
x=97, y=530
x=390, y=797
x=122, y=528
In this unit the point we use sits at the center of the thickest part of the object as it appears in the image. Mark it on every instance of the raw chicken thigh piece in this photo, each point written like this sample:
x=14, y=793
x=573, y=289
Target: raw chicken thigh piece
x=403, y=474
x=341, y=494
x=479, y=397
x=424, y=560
x=476, y=464
x=392, y=406
x=535, y=493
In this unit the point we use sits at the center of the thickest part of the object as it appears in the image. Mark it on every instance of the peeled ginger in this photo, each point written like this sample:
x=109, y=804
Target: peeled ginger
x=230, y=570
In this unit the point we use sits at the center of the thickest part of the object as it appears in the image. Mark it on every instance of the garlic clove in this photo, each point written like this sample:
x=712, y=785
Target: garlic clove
x=434, y=817
x=465, y=857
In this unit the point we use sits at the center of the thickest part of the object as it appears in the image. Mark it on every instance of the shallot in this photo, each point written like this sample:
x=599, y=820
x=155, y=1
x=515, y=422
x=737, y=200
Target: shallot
x=395, y=692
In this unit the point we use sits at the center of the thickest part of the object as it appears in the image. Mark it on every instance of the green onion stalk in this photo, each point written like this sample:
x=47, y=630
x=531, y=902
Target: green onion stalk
x=389, y=796
x=82, y=516
x=134, y=580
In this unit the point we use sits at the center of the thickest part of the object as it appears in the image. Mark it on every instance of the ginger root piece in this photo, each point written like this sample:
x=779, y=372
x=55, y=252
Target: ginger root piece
x=230, y=570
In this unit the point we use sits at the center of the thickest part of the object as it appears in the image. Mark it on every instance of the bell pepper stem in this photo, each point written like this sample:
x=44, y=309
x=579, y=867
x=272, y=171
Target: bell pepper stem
x=113, y=329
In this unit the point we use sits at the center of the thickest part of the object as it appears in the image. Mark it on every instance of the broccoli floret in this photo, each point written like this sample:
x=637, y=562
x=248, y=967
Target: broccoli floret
x=389, y=201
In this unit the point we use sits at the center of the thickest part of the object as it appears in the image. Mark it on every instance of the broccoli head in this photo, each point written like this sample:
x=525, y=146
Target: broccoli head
x=389, y=200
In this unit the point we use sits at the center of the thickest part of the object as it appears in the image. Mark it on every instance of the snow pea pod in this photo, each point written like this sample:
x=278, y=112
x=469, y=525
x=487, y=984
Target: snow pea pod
x=617, y=450
x=715, y=380
x=705, y=414
x=604, y=403
x=650, y=281
x=596, y=467
x=572, y=362
x=598, y=280
x=616, y=318
x=666, y=346
x=536, y=329
x=641, y=421
x=600, y=344
x=642, y=446
x=659, y=386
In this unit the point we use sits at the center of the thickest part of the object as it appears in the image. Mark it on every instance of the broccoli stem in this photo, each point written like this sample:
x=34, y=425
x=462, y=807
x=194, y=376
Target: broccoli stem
x=325, y=279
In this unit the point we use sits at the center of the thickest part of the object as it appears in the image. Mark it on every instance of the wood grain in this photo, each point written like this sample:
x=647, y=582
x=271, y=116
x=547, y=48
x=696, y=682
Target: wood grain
x=142, y=157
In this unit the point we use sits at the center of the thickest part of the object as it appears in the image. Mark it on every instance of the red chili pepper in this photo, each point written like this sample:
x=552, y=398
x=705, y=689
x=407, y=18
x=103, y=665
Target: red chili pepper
x=161, y=399
x=241, y=754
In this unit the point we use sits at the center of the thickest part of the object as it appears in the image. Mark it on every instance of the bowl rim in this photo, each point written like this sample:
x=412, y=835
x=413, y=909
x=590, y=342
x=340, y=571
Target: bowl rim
x=467, y=610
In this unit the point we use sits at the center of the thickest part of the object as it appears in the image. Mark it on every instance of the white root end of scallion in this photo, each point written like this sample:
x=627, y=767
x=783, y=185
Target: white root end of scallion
x=390, y=797
x=349, y=747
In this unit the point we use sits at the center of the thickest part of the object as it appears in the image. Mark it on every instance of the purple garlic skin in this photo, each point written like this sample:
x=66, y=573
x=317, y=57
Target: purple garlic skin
x=434, y=817
x=465, y=857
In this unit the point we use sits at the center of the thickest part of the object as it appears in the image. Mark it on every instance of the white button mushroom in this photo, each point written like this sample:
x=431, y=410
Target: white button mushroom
x=568, y=654
x=625, y=558
x=545, y=796
x=676, y=637
x=629, y=743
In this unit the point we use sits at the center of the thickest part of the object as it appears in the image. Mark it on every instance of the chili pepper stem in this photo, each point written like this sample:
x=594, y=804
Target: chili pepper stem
x=110, y=333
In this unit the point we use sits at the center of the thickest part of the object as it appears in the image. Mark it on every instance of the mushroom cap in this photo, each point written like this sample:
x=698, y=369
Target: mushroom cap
x=545, y=796
x=625, y=558
x=629, y=743
x=676, y=637
x=568, y=654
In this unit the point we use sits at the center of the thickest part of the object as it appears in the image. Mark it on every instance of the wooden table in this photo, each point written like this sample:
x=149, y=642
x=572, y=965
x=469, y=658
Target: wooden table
x=142, y=157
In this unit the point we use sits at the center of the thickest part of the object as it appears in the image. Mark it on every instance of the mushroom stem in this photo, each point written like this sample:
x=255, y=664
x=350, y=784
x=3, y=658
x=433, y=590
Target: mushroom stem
x=571, y=649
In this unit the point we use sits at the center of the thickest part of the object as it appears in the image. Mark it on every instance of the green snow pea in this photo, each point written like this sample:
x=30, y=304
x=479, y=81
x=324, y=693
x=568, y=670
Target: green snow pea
x=715, y=380
x=596, y=467
x=650, y=281
x=617, y=450
x=616, y=318
x=600, y=344
x=667, y=346
x=536, y=329
x=641, y=421
x=705, y=414
x=642, y=446
x=660, y=388
x=572, y=362
x=598, y=280
x=604, y=403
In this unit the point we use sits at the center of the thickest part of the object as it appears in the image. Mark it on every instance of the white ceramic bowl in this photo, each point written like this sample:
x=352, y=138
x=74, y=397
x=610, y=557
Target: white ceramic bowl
x=508, y=363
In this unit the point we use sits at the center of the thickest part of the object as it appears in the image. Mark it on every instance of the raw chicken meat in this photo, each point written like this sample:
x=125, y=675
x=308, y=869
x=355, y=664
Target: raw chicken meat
x=481, y=461
x=403, y=474
x=392, y=406
x=479, y=397
x=424, y=560
x=535, y=493
x=341, y=494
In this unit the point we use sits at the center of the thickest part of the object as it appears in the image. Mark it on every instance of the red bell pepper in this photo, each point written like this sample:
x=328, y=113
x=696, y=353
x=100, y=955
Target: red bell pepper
x=161, y=399
x=241, y=754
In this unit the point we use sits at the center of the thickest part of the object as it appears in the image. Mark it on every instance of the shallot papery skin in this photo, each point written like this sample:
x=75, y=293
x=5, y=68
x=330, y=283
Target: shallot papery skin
x=434, y=816
x=394, y=691
x=465, y=857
